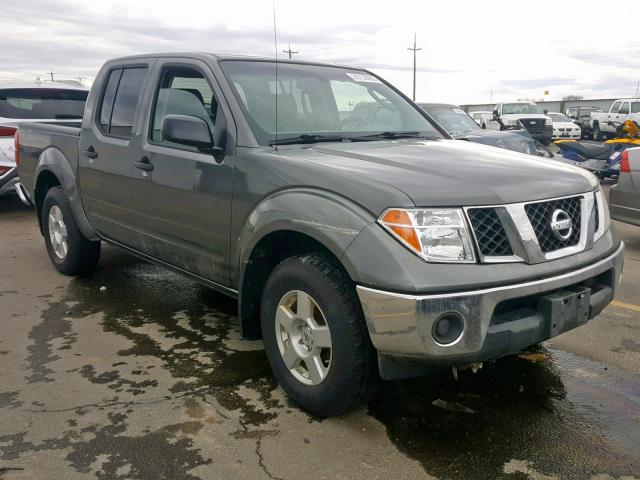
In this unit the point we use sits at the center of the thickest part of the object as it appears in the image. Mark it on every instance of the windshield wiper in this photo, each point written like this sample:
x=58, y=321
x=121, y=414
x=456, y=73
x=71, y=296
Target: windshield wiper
x=308, y=138
x=392, y=135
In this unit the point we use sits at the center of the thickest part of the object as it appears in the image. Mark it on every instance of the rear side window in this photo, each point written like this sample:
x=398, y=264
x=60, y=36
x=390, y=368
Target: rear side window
x=42, y=103
x=107, y=99
x=117, y=111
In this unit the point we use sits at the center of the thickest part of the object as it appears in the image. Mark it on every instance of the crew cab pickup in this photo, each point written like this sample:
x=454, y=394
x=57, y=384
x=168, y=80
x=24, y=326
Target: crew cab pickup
x=605, y=124
x=360, y=240
x=526, y=115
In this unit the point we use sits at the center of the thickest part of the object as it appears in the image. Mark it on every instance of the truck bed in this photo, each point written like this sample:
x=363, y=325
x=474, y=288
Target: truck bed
x=36, y=137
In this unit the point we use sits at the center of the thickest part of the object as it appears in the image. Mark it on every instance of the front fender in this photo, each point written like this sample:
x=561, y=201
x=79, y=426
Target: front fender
x=331, y=219
x=53, y=160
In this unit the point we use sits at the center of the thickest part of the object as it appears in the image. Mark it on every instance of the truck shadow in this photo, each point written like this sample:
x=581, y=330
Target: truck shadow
x=11, y=203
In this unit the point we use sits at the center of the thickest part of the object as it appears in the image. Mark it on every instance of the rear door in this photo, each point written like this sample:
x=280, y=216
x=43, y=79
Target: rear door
x=107, y=145
x=183, y=197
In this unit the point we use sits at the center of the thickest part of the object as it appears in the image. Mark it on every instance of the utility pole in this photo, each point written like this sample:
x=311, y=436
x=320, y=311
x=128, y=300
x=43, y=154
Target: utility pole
x=52, y=73
x=414, y=50
x=637, y=85
x=289, y=51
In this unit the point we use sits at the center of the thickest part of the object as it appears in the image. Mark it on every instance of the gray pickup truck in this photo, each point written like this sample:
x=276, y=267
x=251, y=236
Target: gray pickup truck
x=360, y=240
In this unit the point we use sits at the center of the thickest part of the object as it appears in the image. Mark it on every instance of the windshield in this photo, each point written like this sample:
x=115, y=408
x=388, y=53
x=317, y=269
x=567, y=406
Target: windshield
x=42, y=103
x=559, y=117
x=318, y=100
x=517, y=108
x=454, y=120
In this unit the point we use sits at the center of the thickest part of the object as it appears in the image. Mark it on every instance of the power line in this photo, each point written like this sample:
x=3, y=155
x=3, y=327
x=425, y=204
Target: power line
x=289, y=51
x=414, y=50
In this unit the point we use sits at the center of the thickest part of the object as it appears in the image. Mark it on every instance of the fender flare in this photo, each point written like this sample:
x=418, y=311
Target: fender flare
x=328, y=218
x=53, y=160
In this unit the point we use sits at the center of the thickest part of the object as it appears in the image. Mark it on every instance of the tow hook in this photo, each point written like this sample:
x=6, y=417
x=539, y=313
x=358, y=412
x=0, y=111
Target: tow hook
x=474, y=367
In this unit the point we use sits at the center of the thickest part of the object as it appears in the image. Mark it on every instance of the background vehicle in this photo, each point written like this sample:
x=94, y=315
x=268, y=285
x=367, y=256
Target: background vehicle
x=603, y=160
x=32, y=101
x=461, y=127
x=527, y=114
x=479, y=116
x=358, y=236
x=624, y=198
x=582, y=117
x=563, y=127
x=603, y=124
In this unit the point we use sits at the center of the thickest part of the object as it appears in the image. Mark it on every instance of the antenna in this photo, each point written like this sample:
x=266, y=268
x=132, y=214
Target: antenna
x=275, y=44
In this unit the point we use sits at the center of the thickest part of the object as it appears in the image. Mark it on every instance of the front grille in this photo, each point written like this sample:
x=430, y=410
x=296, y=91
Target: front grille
x=540, y=217
x=533, y=125
x=490, y=234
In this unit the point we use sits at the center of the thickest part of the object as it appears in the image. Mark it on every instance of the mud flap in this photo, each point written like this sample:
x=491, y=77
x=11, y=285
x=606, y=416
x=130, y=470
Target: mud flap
x=565, y=309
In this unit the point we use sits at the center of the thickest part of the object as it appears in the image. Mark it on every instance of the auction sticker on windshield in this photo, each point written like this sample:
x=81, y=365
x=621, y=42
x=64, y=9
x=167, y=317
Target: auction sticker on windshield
x=363, y=77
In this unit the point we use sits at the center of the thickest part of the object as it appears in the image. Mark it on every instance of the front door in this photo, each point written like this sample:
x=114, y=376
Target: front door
x=106, y=144
x=182, y=196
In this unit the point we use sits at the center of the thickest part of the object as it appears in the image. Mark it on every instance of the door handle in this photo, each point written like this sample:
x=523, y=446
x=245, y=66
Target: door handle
x=144, y=164
x=90, y=153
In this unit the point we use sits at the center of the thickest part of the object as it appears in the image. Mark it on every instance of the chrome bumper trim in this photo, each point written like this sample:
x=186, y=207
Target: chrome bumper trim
x=401, y=324
x=22, y=194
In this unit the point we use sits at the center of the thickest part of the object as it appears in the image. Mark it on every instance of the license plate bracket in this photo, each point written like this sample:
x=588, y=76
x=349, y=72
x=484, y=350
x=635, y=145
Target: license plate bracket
x=565, y=309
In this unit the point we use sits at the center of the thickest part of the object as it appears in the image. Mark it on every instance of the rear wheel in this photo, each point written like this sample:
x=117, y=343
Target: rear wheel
x=69, y=250
x=597, y=134
x=315, y=336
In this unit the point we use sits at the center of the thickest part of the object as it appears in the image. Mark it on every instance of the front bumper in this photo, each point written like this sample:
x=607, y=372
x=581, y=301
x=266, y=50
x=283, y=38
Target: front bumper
x=544, y=136
x=497, y=321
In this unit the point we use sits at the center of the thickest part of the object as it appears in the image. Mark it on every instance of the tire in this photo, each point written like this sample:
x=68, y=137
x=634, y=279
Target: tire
x=484, y=126
x=80, y=256
x=351, y=377
x=597, y=134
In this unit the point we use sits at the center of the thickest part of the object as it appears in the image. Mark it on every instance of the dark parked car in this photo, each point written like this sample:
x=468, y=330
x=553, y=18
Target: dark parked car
x=461, y=126
x=359, y=238
x=582, y=116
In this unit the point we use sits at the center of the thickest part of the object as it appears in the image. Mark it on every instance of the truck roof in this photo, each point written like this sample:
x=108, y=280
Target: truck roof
x=221, y=56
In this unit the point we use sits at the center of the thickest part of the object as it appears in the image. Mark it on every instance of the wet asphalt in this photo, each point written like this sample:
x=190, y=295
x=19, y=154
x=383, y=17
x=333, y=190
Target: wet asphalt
x=138, y=373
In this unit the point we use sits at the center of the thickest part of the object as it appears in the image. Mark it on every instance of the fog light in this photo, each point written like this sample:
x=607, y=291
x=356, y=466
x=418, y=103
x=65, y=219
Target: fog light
x=447, y=328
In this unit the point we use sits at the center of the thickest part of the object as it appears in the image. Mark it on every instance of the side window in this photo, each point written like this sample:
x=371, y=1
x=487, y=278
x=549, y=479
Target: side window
x=615, y=107
x=182, y=91
x=124, y=106
x=107, y=99
x=624, y=108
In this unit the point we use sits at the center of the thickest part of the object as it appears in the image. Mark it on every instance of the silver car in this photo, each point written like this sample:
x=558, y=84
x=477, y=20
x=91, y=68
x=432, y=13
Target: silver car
x=624, y=198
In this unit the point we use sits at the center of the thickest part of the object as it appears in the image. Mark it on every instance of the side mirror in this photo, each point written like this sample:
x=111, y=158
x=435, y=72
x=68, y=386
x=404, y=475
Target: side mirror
x=496, y=113
x=187, y=130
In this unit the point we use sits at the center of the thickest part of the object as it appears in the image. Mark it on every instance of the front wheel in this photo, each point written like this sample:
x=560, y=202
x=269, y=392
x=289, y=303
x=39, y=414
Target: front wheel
x=69, y=250
x=315, y=336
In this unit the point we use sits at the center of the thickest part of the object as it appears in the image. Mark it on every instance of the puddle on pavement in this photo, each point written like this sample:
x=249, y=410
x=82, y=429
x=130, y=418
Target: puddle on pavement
x=558, y=413
x=199, y=320
x=548, y=412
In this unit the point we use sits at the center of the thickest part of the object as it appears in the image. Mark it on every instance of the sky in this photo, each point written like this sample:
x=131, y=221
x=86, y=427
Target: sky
x=472, y=52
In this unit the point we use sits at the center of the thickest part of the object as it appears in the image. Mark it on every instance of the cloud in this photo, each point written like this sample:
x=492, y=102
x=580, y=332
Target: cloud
x=461, y=61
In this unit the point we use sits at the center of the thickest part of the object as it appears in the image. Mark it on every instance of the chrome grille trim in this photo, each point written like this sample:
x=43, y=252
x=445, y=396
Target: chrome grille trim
x=523, y=238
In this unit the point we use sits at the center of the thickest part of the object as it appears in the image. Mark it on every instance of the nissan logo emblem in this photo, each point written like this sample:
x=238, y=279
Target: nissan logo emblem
x=561, y=224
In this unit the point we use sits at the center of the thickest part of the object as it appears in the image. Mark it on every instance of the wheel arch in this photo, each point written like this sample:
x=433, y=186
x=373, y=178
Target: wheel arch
x=55, y=169
x=286, y=224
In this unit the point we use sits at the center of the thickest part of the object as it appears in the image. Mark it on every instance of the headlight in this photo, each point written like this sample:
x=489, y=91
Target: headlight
x=548, y=121
x=435, y=234
x=604, y=220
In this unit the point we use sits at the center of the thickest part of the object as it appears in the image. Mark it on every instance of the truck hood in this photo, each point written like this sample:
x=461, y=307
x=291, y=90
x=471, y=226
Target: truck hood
x=449, y=172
